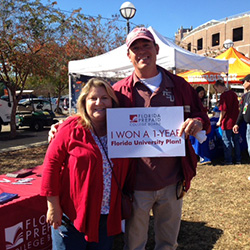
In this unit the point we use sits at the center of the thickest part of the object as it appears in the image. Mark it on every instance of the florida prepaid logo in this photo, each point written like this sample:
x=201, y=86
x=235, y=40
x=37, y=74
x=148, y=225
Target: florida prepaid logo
x=33, y=233
x=133, y=118
x=144, y=119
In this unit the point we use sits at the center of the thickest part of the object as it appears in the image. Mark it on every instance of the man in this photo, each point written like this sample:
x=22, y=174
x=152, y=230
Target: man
x=244, y=114
x=229, y=107
x=160, y=181
x=157, y=178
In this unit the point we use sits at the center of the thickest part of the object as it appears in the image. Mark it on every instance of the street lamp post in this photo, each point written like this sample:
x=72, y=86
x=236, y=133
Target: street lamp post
x=228, y=44
x=127, y=11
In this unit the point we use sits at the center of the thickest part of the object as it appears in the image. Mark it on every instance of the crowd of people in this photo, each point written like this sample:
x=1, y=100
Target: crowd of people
x=232, y=113
x=81, y=182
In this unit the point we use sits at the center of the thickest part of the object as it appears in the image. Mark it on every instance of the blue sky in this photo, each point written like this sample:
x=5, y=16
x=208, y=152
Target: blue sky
x=163, y=15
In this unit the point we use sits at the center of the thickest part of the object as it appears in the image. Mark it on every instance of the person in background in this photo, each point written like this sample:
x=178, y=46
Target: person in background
x=229, y=107
x=160, y=181
x=214, y=137
x=203, y=149
x=202, y=95
x=244, y=114
x=204, y=98
x=84, y=202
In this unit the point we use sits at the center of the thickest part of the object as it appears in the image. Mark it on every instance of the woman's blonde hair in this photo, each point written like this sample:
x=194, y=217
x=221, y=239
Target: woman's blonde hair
x=81, y=102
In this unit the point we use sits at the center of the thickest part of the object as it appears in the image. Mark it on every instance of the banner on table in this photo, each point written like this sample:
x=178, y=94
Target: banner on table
x=145, y=132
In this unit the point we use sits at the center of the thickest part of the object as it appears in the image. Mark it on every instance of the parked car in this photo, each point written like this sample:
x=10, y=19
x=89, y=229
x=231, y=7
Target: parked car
x=35, y=113
x=61, y=103
x=38, y=104
x=26, y=94
x=36, y=120
x=64, y=102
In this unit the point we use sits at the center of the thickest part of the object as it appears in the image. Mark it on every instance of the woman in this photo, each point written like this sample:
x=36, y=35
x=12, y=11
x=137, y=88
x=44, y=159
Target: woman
x=84, y=202
x=202, y=150
x=202, y=95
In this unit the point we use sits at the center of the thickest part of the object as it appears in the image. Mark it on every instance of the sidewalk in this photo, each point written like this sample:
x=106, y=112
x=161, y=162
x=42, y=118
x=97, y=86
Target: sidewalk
x=25, y=138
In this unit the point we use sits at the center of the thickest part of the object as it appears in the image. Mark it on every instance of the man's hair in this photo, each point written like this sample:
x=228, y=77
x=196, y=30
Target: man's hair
x=81, y=102
x=219, y=83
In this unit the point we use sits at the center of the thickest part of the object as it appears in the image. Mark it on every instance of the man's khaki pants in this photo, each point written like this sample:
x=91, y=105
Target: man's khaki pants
x=167, y=217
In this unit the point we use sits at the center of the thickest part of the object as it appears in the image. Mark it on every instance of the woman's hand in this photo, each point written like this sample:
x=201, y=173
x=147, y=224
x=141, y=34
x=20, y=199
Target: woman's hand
x=54, y=213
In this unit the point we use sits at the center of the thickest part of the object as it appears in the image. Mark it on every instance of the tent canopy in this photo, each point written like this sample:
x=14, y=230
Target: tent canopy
x=239, y=67
x=116, y=63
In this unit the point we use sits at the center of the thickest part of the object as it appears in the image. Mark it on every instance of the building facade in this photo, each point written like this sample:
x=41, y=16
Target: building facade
x=208, y=39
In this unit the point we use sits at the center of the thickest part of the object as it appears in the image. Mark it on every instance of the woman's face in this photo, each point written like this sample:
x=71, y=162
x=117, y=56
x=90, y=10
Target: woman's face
x=246, y=85
x=96, y=103
x=201, y=94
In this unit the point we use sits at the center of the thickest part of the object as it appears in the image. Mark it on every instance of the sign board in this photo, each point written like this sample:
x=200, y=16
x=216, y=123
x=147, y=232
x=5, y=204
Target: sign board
x=145, y=132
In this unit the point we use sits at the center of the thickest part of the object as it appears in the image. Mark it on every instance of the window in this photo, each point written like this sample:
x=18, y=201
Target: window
x=200, y=44
x=238, y=34
x=189, y=47
x=216, y=39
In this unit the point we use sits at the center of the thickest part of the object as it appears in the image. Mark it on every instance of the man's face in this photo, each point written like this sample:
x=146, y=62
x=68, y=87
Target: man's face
x=216, y=89
x=246, y=85
x=219, y=89
x=142, y=53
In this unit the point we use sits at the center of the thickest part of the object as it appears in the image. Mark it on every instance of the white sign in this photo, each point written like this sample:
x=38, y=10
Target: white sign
x=145, y=132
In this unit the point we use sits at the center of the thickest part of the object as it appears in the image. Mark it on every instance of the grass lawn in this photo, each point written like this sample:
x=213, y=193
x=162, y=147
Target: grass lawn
x=216, y=209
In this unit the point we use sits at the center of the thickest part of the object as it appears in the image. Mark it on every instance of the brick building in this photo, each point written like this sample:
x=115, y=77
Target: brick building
x=208, y=39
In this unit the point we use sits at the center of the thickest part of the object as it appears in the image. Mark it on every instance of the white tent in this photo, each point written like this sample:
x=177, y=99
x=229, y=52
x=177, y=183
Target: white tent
x=116, y=63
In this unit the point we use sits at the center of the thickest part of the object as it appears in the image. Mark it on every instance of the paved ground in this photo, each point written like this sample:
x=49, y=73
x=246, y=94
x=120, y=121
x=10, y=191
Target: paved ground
x=25, y=138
